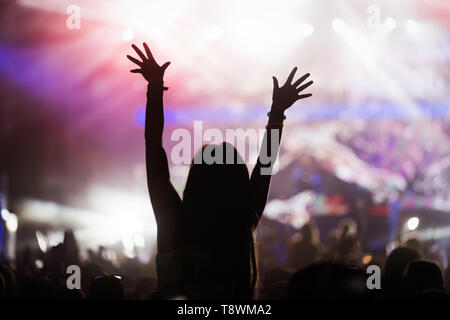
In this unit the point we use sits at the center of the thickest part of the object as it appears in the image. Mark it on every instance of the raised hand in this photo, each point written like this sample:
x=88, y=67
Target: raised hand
x=149, y=69
x=289, y=93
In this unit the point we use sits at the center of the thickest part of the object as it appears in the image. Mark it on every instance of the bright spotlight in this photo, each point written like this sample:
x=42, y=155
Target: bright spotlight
x=39, y=263
x=42, y=243
x=306, y=29
x=366, y=259
x=5, y=214
x=411, y=26
x=390, y=23
x=11, y=223
x=213, y=33
x=127, y=35
x=338, y=25
x=412, y=223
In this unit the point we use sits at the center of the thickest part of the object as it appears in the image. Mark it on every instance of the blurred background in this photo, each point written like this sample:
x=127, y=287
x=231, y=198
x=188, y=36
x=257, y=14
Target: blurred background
x=369, y=151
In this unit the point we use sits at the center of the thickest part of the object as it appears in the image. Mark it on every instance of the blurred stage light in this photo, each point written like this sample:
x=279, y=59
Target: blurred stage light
x=127, y=35
x=434, y=233
x=128, y=247
x=306, y=29
x=5, y=214
x=338, y=25
x=110, y=255
x=261, y=30
x=345, y=173
x=113, y=215
x=412, y=223
x=361, y=46
x=213, y=32
x=42, y=242
x=39, y=263
x=12, y=223
x=139, y=240
x=55, y=237
x=390, y=23
x=411, y=26
x=293, y=211
x=366, y=259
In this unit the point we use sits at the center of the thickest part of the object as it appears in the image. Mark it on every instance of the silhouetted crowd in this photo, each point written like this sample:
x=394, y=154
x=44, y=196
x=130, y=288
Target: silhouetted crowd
x=335, y=269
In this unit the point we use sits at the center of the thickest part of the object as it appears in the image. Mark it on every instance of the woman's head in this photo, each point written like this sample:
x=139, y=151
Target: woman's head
x=218, y=216
x=217, y=194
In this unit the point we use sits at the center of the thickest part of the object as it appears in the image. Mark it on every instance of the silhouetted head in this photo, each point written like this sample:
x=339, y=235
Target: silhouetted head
x=218, y=219
x=306, y=233
x=413, y=243
x=328, y=281
x=423, y=275
x=216, y=196
x=106, y=287
x=273, y=276
x=398, y=260
x=347, y=227
x=310, y=233
x=71, y=248
x=395, y=267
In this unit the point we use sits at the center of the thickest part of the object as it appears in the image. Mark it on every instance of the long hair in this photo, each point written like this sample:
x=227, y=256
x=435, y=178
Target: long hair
x=218, y=216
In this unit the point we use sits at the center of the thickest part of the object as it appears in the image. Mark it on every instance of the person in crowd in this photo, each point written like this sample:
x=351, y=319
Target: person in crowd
x=342, y=244
x=304, y=251
x=274, y=283
x=393, y=284
x=106, y=287
x=205, y=240
x=423, y=277
x=328, y=280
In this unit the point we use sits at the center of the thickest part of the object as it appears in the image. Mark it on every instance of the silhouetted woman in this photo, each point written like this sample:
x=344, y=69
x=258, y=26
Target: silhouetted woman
x=205, y=241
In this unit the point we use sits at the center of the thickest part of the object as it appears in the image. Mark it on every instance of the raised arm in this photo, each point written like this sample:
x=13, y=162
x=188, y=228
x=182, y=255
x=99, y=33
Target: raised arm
x=165, y=200
x=282, y=99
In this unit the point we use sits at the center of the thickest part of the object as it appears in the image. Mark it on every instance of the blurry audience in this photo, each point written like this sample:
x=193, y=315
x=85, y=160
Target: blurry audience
x=304, y=247
x=310, y=272
x=394, y=271
x=422, y=277
x=328, y=280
